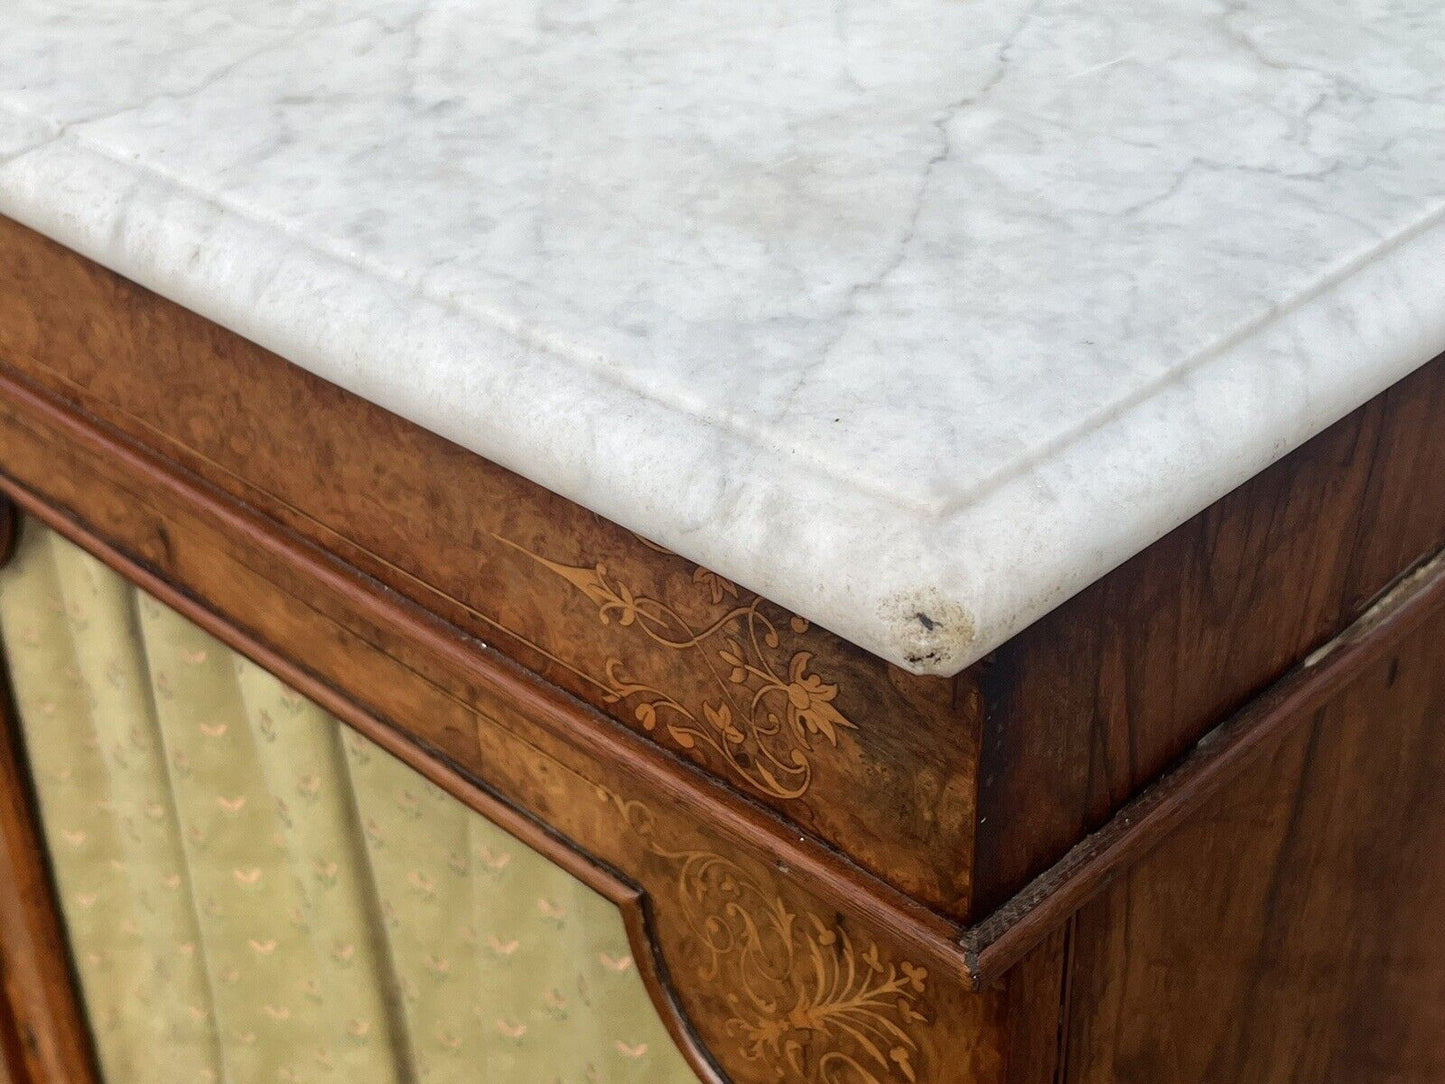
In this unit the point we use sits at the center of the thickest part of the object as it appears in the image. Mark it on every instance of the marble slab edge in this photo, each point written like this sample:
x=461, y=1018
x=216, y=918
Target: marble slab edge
x=931, y=593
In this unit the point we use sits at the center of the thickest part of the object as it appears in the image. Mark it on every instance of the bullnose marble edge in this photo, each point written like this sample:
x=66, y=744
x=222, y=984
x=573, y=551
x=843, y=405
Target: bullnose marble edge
x=930, y=592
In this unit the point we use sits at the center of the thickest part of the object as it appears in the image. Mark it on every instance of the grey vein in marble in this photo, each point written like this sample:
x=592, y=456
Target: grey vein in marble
x=916, y=316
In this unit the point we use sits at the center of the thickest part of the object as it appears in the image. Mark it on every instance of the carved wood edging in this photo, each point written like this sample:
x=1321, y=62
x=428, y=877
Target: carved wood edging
x=429, y=763
x=804, y=857
x=987, y=949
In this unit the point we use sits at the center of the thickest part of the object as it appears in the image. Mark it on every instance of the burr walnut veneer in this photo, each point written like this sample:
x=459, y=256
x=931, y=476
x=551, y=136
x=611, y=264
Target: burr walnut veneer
x=1187, y=827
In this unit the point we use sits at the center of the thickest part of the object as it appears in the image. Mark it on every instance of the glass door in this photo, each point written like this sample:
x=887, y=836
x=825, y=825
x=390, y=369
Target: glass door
x=254, y=892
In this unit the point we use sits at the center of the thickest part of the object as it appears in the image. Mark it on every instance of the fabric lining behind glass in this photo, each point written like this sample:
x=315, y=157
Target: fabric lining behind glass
x=254, y=892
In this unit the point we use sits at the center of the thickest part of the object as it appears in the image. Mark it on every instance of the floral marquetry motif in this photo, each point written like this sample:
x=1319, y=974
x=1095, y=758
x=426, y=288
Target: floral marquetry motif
x=768, y=705
x=809, y=1002
x=805, y=999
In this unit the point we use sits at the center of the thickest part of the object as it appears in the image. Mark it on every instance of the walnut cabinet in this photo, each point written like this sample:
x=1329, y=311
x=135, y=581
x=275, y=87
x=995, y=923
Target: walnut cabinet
x=332, y=750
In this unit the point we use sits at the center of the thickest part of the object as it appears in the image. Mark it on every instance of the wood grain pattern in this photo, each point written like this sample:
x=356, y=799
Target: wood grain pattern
x=1180, y=795
x=1082, y=710
x=1292, y=931
x=1094, y=701
x=520, y=740
x=1038, y=999
x=883, y=768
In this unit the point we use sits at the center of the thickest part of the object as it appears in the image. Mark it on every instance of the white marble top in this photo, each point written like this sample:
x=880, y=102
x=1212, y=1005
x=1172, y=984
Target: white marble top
x=914, y=315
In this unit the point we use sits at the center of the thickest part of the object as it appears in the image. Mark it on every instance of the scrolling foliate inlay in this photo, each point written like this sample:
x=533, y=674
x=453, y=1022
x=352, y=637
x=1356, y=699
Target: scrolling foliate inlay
x=805, y=1001
x=769, y=707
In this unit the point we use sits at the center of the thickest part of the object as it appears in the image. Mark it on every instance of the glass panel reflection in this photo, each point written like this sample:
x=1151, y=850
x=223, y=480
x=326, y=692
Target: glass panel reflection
x=254, y=892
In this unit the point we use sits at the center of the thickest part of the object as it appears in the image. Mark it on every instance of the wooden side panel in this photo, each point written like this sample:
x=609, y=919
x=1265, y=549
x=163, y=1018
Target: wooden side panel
x=1038, y=1011
x=1096, y=699
x=877, y=762
x=1295, y=929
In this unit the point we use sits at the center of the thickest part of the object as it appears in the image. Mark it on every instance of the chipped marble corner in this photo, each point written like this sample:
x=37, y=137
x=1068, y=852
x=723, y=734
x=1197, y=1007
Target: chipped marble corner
x=937, y=634
x=769, y=707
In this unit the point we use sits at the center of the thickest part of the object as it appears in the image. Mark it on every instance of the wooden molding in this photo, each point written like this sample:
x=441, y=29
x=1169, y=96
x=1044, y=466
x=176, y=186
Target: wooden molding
x=1289, y=930
x=623, y=894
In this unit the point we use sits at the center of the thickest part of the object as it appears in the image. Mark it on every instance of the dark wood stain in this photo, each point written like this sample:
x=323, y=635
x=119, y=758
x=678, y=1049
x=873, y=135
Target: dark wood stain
x=1292, y=930
x=1180, y=795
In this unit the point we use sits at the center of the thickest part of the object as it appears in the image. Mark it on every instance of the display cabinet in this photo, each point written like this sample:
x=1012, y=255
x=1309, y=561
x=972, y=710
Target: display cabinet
x=338, y=750
x=553, y=543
